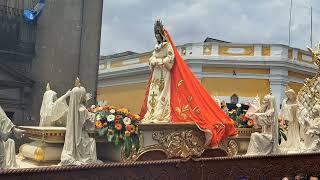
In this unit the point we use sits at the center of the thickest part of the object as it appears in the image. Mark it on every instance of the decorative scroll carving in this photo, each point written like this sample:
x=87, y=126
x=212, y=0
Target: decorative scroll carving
x=181, y=144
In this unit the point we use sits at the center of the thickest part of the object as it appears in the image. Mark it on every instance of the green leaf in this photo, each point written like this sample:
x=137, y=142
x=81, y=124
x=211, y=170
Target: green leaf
x=127, y=146
x=284, y=136
x=102, y=131
x=279, y=139
x=116, y=140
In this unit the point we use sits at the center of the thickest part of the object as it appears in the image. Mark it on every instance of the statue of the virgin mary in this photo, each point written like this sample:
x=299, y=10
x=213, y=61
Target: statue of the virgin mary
x=175, y=95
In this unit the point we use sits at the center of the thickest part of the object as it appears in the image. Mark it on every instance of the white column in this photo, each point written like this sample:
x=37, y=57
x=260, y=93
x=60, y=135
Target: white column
x=278, y=83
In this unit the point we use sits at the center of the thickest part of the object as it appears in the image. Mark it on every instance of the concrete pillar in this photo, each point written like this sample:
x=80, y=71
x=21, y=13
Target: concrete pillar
x=67, y=46
x=278, y=83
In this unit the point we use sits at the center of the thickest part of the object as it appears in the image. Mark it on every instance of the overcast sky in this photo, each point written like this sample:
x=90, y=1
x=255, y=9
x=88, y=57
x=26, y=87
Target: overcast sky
x=128, y=24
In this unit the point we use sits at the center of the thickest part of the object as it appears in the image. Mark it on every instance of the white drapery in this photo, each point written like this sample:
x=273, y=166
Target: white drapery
x=288, y=112
x=53, y=111
x=266, y=142
x=78, y=147
x=7, y=148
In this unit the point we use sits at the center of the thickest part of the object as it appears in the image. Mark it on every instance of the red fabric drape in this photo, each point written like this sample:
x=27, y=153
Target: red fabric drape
x=190, y=102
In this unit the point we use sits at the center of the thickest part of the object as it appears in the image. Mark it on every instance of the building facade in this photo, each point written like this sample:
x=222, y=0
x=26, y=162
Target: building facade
x=17, y=49
x=224, y=69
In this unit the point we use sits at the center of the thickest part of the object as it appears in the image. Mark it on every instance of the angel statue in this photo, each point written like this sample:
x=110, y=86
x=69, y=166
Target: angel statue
x=53, y=111
x=175, y=95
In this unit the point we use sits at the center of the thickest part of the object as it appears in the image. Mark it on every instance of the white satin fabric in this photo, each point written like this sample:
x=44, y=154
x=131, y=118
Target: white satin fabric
x=158, y=105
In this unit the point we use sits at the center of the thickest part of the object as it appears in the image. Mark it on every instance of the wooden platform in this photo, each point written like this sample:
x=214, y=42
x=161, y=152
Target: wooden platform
x=262, y=167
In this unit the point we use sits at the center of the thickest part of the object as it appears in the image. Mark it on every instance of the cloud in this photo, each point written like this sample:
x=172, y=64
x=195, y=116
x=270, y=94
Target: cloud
x=128, y=25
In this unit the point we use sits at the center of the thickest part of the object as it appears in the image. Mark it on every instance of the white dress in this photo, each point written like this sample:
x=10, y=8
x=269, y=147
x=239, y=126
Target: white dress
x=289, y=113
x=53, y=111
x=7, y=148
x=78, y=147
x=158, y=104
x=266, y=142
x=49, y=97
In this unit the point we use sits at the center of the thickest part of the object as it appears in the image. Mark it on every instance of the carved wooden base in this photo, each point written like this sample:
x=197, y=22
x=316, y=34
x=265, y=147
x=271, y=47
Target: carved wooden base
x=175, y=141
x=172, y=141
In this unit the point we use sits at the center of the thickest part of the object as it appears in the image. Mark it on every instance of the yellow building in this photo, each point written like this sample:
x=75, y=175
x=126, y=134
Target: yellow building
x=224, y=69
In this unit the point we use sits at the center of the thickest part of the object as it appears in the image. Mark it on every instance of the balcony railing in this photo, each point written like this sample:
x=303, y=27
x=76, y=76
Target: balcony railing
x=16, y=36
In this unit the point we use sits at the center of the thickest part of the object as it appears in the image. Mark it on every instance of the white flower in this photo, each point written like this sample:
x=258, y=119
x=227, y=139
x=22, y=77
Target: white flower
x=112, y=111
x=126, y=121
x=98, y=117
x=110, y=118
x=93, y=106
x=238, y=105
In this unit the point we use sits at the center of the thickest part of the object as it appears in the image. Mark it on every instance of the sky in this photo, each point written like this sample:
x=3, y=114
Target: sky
x=128, y=24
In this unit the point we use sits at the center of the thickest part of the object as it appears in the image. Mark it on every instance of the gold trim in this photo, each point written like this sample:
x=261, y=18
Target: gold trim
x=207, y=49
x=299, y=56
x=290, y=53
x=224, y=51
x=265, y=50
x=39, y=154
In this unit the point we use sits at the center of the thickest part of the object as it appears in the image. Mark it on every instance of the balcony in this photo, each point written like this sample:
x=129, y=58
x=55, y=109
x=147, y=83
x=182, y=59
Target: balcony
x=17, y=38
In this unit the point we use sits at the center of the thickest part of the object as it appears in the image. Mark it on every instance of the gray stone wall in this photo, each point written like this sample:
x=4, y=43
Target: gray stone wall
x=67, y=46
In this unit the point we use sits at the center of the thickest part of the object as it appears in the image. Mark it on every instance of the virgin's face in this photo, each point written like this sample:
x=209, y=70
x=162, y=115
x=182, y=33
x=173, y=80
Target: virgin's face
x=158, y=37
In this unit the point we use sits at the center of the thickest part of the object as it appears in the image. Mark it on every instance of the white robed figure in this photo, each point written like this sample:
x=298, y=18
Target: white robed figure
x=266, y=142
x=78, y=147
x=53, y=111
x=7, y=145
x=160, y=62
x=289, y=117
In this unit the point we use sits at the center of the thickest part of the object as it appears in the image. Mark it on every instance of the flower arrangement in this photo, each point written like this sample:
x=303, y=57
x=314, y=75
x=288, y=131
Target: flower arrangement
x=238, y=116
x=118, y=125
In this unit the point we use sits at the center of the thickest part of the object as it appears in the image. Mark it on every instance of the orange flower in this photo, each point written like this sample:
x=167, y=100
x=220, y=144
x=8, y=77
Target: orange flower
x=130, y=128
x=279, y=119
x=99, y=124
x=112, y=107
x=127, y=133
x=118, y=126
x=250, y=122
